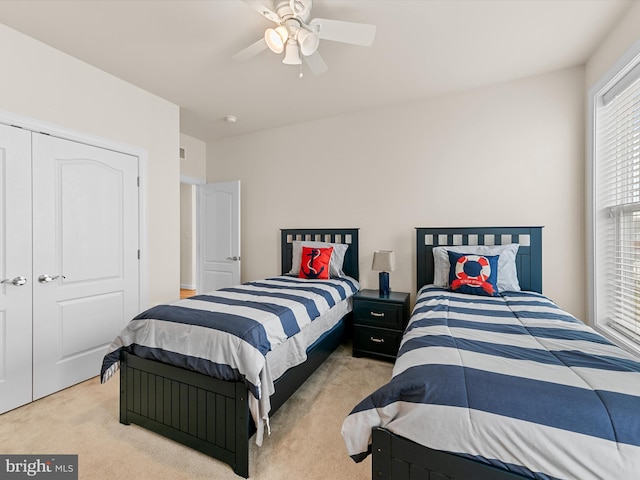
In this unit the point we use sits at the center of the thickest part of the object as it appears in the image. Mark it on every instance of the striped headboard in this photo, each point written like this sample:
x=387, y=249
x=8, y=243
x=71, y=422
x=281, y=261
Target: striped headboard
x=528, y=259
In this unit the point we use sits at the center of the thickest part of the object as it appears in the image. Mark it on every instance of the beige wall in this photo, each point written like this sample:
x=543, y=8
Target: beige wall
x=194, y=165
x=509, y=154
x=619, y=40
x=46, y=85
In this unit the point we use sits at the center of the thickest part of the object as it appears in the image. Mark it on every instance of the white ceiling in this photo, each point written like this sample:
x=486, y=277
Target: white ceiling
x=181, y=51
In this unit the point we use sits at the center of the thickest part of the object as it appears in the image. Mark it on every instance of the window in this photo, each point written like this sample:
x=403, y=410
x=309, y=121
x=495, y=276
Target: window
x=615, y=205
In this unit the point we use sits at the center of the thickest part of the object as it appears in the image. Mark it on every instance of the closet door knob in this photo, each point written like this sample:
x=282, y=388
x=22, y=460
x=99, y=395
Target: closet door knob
x=47, y=278
x=16, y=281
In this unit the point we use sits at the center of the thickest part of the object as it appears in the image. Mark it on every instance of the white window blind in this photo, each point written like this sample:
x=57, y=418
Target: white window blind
x=617, y=206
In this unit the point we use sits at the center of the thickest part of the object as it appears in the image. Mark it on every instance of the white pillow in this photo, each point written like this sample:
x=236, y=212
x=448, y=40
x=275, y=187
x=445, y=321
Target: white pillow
x=507, y=271
x=337, y=257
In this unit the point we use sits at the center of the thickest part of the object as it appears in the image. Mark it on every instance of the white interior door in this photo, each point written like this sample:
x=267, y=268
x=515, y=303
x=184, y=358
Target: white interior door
x=218, y=236
x=85, y=257
x=15, y=267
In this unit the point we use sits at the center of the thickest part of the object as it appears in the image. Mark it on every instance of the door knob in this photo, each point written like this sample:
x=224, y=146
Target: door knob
x=47, y=278
x=16, y=281
x=235, y=259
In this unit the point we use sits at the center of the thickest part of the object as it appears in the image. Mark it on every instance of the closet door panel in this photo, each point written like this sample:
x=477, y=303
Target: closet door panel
x=85, y=257
x=15, y=262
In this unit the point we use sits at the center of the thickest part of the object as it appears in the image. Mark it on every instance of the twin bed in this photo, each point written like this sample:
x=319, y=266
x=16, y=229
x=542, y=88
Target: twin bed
x=498, y=387
x=168, y=382
x=484, y=387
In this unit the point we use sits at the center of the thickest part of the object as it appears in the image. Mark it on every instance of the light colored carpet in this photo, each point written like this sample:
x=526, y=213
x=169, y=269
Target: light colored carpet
x=305, y=440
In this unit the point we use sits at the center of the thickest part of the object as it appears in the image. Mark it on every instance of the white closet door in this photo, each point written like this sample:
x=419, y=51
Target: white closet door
x=85, y=257
x=15, y=263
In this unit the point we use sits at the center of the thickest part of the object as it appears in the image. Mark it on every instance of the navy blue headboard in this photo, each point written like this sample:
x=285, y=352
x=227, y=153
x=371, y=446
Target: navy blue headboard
x=351, y=263
x=528, y=259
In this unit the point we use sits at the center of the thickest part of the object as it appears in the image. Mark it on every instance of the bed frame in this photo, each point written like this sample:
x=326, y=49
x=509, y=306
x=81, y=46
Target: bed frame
x=397, y=458
x=212, y=415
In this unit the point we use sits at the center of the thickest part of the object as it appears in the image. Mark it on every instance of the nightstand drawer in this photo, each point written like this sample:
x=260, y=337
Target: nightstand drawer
x=379, y=314
x=368, y=340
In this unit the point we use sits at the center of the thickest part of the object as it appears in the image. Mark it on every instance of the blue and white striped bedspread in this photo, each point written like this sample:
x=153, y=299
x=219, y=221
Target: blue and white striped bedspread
x=227, y=333
x=512, y=381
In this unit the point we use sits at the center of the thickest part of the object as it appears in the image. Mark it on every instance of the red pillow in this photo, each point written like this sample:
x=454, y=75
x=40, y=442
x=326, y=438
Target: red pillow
x=315, y=262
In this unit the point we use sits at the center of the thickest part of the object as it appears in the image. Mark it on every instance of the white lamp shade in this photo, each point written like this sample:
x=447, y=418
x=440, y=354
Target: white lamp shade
x=384, y=261
x=292, y=53
x=309, y=42
x=276, y=38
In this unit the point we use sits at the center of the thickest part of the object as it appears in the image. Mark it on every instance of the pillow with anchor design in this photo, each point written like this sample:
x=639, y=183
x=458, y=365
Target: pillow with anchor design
x=473, y=274
x=337, y=257
x=314, y=263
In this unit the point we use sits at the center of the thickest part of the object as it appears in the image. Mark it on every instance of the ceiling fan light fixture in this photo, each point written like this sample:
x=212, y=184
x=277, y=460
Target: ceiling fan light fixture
x=300, y=8
x=276, y=38
x=292, y=53
x=308, y=41
x=297, y=36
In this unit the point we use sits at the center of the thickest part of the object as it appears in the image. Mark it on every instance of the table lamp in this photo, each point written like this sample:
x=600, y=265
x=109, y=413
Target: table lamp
x=385, y=262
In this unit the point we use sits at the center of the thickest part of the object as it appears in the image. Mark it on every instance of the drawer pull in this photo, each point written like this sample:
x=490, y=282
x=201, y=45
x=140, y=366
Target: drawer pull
x=377, y=340
x=377, y=314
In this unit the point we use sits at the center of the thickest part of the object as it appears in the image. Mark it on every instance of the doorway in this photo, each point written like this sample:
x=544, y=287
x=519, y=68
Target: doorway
x=188, y=235
x=210, y=235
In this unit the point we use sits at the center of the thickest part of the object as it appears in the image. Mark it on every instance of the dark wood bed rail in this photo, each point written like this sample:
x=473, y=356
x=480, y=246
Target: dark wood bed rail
x=203, y=413
x=396, y=458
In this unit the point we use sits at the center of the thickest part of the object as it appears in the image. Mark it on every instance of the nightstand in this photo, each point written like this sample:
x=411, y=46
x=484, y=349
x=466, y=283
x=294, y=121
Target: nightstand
x=378, y=323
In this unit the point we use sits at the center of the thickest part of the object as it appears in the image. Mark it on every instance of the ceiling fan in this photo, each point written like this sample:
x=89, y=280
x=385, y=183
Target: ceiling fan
x=298, y=37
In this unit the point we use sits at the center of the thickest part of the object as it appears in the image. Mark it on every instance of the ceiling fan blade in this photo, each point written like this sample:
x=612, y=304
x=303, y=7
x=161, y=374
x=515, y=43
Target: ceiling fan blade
x=265, y=11
x=316, y=63
x=345, y=32
x=251, y=51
